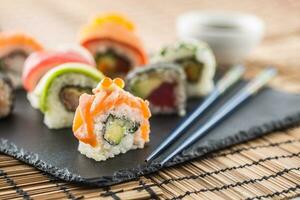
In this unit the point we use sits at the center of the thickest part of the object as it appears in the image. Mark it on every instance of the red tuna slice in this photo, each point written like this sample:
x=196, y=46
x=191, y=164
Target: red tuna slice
x=38, y=63
x=164, y=95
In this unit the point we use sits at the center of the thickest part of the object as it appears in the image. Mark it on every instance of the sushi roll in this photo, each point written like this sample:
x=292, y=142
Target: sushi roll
x=112, y=41
x=57, y=93
x=14, y=49
x=162, y=84
x=76, y=48
x=111, y=121
x=198, y=62
x=7, y=96
x=38, y=63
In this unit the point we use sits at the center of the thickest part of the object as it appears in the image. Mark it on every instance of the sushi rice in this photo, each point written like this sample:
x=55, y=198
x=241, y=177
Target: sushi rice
x=119, y=121
x=106, y=150
x=55, y=113
x=188, y=49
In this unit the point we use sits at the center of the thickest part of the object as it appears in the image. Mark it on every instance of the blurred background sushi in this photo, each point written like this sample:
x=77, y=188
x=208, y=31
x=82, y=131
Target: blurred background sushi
x=15, y=47
x=112, y=41
x=154, y=19
x=7, y=96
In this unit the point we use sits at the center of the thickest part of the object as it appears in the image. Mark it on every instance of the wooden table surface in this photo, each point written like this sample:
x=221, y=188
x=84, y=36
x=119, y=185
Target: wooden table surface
x=57, y=22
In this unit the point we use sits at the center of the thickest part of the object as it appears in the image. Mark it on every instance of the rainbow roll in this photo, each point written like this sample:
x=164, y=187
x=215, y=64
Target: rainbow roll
x=198, y=62
x=111, y=121
x=14, y=49
x=57, y=93
x=112, y=41
x=39, y=63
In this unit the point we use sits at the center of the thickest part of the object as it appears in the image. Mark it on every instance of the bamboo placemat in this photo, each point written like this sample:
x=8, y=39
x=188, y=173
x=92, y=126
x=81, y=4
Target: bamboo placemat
x=265, y=168
x=268, y=167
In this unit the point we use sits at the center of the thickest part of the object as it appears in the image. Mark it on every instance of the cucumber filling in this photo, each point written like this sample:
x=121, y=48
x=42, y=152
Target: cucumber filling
x=143, y=88
x=112, y=64
x=69, y=96
x=116, y=128
x=193, y=69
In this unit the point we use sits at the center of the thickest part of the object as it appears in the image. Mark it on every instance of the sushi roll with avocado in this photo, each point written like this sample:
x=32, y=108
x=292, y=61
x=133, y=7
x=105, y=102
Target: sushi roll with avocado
x=57, y=93
x=7, y=96
x=112, y=41
x=162, y=84
x=38, y=63
x=110, y=121
x=198, y=62
x=14, y=49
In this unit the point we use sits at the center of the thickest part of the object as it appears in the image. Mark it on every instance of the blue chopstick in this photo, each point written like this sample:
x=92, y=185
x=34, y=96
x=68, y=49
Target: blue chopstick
x=250, y=89
x=231, y=77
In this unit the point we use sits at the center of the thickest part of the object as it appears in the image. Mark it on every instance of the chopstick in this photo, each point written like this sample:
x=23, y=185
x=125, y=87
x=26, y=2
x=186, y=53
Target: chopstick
x=250, y=89
x=231, y=77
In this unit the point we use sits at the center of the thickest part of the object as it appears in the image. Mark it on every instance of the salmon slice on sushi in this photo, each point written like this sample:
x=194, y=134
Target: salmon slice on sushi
x=7, y=96
x=198, y=62
x=112, y=41
x=39, y=63
x=14, y=49
x=57, y=93
x=162, y=84
x=110, y=121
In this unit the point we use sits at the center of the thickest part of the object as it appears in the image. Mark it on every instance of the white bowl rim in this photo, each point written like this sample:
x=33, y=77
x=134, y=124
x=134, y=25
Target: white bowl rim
x=243, y=21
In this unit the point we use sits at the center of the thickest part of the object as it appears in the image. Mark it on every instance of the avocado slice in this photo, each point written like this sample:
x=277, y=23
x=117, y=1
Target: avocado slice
x=193, y=69
x=50, y=76
x=117, y=128
x=143, y=88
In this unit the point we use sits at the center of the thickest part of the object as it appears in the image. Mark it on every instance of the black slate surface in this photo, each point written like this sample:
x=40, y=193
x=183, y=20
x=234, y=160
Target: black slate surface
x=24, y=136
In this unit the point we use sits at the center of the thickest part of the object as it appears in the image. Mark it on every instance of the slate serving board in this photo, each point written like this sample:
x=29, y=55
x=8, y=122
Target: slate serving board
x=24, y=136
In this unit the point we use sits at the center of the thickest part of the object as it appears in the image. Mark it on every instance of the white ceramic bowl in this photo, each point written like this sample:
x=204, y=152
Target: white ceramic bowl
x=230, y=35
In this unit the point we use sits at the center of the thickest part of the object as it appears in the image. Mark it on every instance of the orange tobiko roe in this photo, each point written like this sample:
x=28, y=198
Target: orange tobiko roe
x=106, y=82
x=119, y=82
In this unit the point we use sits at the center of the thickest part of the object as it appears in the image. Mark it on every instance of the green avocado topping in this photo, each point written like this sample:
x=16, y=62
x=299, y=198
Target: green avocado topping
x=51, y=75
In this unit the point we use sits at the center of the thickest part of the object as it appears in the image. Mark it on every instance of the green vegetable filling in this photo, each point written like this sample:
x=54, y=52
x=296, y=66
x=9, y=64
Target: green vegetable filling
x=143, y=88
x=116, y=128
x=193, y=69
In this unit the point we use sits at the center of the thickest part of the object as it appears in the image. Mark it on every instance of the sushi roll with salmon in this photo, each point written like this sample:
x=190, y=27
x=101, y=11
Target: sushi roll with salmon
x=112, y=41
x=198, y=62
x=110, y=121
x=57, y=93
x=14, y=49
x=7, y=96
x=38, y=63
x=162, y=84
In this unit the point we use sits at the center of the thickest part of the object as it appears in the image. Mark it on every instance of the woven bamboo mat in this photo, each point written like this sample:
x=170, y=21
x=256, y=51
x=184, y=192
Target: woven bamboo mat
x=265, y=168
x=268, y=167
